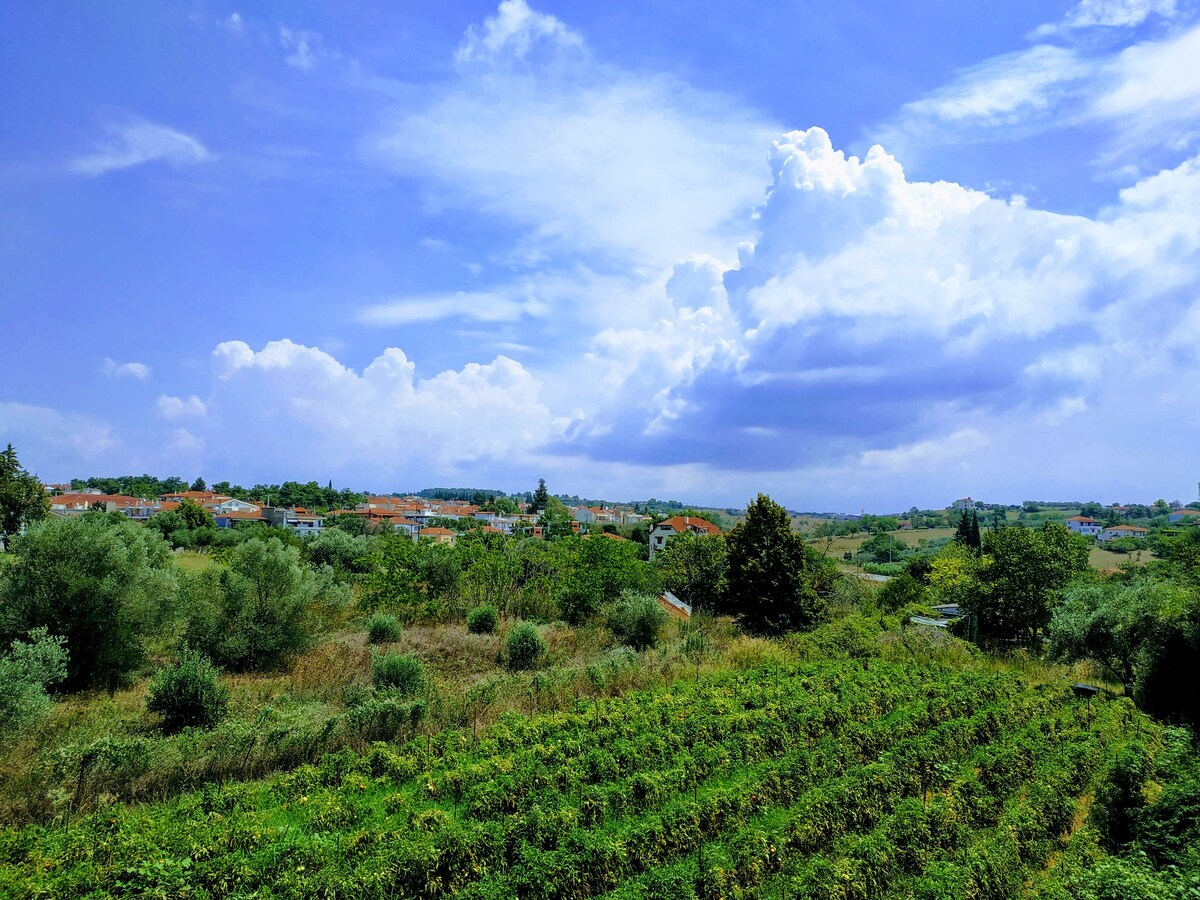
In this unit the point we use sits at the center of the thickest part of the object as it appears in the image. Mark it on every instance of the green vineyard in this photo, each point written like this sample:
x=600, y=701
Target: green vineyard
x=830, y=780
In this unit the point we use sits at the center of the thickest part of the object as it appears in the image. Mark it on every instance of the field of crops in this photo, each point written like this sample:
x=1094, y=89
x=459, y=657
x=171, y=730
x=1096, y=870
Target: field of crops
x=826, y=780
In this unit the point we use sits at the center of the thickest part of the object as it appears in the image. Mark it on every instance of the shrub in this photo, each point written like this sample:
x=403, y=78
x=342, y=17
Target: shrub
x=188, y=693
x=636, y=620
x=255, y=614
x=483, y=620
x=525, y=646
x=398, y=673
x=99, y=581
x=385, y=718
x=383, y=629
x=25, y=671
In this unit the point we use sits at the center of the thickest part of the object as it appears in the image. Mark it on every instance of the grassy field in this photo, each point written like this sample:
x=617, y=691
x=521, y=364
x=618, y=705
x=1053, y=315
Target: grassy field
x=193, y=561
x=1099, y=558
x=913, y=538
x=1107, y=560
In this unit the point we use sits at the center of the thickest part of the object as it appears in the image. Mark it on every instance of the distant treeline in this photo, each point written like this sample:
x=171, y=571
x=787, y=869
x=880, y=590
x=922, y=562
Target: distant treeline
x=310, y=495
x=470, y=495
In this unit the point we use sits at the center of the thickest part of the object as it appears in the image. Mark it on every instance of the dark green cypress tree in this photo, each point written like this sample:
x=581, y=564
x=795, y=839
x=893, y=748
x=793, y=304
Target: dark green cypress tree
x=976, y=539
x=963, y=534
x=541, y=497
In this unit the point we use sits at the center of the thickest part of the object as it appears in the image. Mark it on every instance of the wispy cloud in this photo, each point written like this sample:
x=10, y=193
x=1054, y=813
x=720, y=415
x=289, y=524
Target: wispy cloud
x=1110, y=14
x=137, y=142
x=113, y=369
x=476, y=305
x=305, y=48
x=590, y=158
x=178, y=408
x=513, y=32
x=1144, y=94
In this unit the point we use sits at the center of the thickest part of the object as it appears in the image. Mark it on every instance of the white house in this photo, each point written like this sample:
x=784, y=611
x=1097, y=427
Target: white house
x=962, y=503
x=1121, y=531
x=233, y=505
x=1085, y=525
x=668, y=528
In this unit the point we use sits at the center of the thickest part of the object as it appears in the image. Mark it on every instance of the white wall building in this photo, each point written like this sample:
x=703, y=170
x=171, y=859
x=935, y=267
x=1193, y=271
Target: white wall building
x=1085, y=525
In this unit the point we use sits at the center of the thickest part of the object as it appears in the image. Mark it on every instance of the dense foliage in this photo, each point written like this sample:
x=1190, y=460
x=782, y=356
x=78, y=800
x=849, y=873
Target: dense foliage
x=256, y=613
x=483, y=620
x=771, y=586
x=27, y=668
x=22, y=498
x=188, y=693
x=100, y=582
x=383, y=629
x=525, y=646
x=636, y=620
x=797, y=781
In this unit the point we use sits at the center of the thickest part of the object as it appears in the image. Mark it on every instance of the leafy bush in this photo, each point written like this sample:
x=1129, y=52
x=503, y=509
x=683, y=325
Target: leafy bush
x=188, y=693
x=342, y=551
x=254, y=615
x=525, y=646
x=384, y=718
x=398, y=673
x=100, y=581
x=25, y=671
x=483, y=620
x=901, y=591
x=636, y=620
x=383, y=629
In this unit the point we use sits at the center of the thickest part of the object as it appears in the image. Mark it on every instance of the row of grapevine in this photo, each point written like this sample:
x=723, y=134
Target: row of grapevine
x=774, y=780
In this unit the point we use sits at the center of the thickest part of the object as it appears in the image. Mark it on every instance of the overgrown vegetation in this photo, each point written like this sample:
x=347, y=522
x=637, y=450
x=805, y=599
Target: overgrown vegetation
x=188, y=693
x=545, y=730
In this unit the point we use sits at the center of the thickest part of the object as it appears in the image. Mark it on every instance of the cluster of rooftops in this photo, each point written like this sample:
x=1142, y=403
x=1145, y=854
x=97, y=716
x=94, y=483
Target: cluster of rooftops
x=412, y=515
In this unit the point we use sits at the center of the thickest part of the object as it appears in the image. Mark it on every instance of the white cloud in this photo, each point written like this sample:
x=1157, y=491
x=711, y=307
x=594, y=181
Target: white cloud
x=635, y=166
x=478, y=306
x=1146, y=95
x=1160, y=75
x=55, y=444
x=313, y=410
x=113, y=369
x=177, y=407
x=873, y=311
x=1005, y=89
x=513, y=32
x=234, y=23
x=137, y=142
x=919, y=456
x=183, y=443
x=305, y=48
x=1114, y=13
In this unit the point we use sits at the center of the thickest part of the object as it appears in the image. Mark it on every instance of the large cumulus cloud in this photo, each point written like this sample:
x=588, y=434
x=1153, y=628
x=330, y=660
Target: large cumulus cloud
x=306, y=411
x=873, y=312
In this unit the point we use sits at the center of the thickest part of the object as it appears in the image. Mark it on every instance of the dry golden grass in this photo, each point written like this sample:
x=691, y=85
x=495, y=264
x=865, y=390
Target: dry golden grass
x=839, y=545
x=1109, y=561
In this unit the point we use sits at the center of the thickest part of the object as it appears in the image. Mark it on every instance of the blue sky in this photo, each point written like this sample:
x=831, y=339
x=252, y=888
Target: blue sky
x=852, y=254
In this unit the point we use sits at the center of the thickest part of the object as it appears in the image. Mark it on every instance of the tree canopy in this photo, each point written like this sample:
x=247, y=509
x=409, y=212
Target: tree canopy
x=22, y=498
x=1019, y=578
x=99, y=581
x=770, y=586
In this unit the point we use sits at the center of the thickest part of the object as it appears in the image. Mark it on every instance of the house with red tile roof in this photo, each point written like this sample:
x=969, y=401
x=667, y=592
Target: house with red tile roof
x=1085, y=525
x=668, y=528
x=439, y=535
x=1121, y=531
